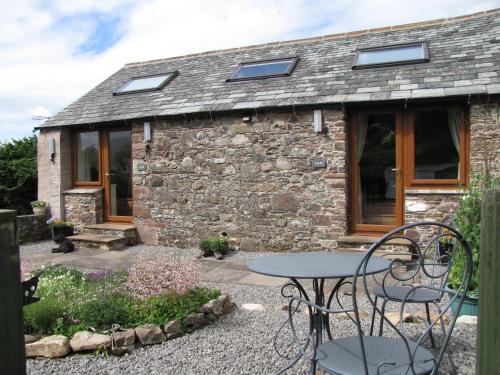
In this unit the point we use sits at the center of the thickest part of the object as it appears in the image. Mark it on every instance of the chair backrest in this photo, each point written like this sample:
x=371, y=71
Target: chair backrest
x=433, y=267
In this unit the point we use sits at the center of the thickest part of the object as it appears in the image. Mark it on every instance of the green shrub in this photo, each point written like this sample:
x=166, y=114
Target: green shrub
x=71, y=301
x=103, y=311
x=468, y=220
x=205, y=247
x=18, y=174
x=42, y=316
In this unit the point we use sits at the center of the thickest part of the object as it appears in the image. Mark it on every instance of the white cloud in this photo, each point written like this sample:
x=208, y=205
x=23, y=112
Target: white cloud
x=43, y=67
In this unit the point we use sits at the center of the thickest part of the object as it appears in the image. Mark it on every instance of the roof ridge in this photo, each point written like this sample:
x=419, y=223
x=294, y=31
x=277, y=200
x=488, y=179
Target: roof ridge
x=407, y=26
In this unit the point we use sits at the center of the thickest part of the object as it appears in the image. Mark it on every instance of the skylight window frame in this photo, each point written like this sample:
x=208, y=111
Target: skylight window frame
x=294, y=60
x=424, y=59
x=170, y=76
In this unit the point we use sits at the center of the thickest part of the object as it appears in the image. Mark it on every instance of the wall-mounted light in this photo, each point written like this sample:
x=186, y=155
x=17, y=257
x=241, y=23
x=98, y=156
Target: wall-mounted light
x=318, y=120
x=51, y=146
x=147, y=131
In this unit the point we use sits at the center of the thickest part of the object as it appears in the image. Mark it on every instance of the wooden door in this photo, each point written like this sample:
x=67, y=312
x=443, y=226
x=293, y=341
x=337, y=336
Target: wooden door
x=117, y=171
x=376, y=158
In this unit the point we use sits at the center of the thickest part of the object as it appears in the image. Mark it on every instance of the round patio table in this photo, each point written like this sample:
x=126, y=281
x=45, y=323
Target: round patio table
x=317, y=267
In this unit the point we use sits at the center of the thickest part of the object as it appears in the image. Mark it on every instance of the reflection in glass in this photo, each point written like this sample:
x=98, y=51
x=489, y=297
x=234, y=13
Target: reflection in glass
x=87, y=155
x=437, y=144
x=144, y=83
x=120, y=173
x=377, y=176
x=263, y=69
x=391, y=54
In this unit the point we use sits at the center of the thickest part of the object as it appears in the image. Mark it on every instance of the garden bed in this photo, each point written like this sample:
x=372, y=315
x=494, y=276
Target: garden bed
x=154, y=301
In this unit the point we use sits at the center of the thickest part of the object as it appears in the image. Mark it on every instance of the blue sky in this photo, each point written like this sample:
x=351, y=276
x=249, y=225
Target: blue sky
x=54, y=51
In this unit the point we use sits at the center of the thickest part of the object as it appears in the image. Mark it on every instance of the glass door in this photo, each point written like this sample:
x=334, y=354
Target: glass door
x=376, y=158
x=117, y=168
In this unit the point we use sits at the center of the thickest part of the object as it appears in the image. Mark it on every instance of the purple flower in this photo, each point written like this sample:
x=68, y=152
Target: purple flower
x=98, y=275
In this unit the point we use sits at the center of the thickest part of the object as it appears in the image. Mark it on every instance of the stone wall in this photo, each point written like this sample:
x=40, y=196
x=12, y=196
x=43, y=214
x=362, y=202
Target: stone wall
x=54, y=176
x=253, y=180
x=485, y=137
x=32, y=228
x=84, y=206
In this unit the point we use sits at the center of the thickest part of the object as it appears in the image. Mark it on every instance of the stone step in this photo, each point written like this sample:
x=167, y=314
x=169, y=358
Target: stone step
x=363, y=243
x=100, y=241
x=113, y=229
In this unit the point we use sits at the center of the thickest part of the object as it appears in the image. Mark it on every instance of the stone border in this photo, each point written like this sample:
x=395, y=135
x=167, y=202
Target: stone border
x=125, y=341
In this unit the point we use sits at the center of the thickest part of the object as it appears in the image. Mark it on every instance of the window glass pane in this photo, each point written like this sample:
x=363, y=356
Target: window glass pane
x=262, y=69
x=144, y=83
x=377, y=161
x=87, y=154
x=437, y=144
x=391, y=54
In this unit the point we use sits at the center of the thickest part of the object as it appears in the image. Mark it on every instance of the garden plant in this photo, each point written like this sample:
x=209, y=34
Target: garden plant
x=152, y=291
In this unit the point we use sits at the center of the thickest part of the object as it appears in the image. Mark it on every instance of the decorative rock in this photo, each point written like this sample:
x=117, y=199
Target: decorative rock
x=227, y=304
x=173, y=329
x=210, y=317
x=195, y=320
x=252, y=307
x=362, y=315
x=28, y=339
x=149, y=334
x=395, y=317
x=85, y=340
x=214, y=306
x=123, y=342
x=467, y=319
x=50, y=347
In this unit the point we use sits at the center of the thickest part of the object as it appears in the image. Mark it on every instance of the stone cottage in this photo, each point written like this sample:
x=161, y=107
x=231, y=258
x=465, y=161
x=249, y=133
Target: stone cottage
x=296, y=145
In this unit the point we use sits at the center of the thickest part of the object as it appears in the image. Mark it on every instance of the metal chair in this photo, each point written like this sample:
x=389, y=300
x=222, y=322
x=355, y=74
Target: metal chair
x=401, y=351
x=438, y=252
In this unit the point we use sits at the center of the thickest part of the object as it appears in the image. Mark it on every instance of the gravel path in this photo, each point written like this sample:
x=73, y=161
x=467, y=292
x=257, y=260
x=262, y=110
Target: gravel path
x=240, y=343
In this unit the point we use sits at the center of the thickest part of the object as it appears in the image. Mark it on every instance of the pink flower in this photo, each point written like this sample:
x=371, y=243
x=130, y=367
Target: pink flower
x=163, y=275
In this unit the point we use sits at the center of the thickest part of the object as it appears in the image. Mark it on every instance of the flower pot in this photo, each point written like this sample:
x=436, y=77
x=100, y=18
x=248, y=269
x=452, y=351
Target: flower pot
x=39, y=211
x=66, y=231
x=470, y=306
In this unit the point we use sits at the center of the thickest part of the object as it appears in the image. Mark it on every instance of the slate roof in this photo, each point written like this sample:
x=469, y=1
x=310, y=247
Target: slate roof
x=464, y=59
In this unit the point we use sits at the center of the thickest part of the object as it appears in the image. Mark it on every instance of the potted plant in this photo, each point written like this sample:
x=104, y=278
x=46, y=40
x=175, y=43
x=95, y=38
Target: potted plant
x=468, y=222
x=217, y=246
x=59, y=226
x=39, y=207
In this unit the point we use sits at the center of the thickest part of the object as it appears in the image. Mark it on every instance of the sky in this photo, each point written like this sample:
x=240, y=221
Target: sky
x=53, y=52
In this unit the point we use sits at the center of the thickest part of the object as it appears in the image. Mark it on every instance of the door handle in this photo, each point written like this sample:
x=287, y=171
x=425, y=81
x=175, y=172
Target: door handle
x=397, y=170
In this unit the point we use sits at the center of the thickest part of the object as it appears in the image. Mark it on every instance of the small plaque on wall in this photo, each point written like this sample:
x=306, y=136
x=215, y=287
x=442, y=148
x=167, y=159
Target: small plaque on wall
x=318, y=163
x=141, y=167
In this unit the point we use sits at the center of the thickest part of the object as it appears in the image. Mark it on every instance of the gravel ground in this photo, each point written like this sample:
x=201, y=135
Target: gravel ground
x=240, y=343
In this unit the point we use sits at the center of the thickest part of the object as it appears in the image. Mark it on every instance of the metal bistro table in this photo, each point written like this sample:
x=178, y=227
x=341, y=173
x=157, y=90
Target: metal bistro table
x=318, y=267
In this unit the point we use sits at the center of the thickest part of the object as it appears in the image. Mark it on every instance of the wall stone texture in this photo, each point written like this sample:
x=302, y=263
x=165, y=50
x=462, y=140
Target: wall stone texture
x=253, y=180
x=83, y=206
x=32, y=228
x=485, y=137
x=54, y=176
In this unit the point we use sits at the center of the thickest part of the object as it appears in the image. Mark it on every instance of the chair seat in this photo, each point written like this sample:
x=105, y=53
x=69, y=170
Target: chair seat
x=400, y=292
x=343, y=356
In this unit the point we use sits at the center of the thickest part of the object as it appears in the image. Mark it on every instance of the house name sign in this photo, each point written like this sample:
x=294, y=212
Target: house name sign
x=318, y=163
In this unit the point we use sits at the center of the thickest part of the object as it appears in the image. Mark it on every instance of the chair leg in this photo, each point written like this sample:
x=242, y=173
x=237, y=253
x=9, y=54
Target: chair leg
x=427, y=311
x=372, y=323
x=382, y=315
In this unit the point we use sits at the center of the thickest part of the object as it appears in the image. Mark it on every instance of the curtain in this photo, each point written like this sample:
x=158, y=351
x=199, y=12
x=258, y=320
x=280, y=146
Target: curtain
x=454, y=125
x=362, y=130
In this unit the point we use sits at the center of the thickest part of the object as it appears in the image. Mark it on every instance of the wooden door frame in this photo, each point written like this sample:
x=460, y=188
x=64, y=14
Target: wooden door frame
x=353, y=157
x=105, y=177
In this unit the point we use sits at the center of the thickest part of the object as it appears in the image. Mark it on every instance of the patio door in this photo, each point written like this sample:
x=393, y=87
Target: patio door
x=376, y=161
x=117, y=170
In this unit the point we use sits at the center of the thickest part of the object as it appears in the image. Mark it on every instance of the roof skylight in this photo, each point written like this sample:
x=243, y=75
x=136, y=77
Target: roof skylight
x=146, y=83
x=264, y=69
x=392, y=55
